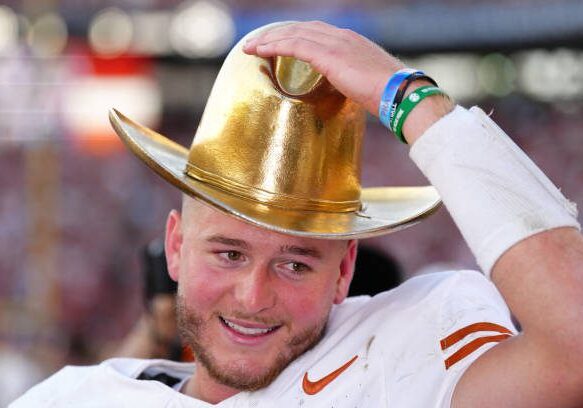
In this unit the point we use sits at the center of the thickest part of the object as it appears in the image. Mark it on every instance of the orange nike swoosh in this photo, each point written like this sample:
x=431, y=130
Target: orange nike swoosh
x=314, y=387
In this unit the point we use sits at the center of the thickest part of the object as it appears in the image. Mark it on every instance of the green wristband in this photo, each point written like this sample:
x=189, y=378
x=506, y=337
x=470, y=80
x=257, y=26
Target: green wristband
x=408, y=104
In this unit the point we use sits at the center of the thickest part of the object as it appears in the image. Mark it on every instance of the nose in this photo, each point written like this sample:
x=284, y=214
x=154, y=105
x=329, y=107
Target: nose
x=255, y=290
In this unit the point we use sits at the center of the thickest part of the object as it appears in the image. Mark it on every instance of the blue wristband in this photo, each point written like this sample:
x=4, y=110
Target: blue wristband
x=386, y=107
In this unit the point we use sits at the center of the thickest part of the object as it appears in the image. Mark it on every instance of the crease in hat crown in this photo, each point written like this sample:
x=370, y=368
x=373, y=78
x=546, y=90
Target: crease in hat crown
x=279, y=147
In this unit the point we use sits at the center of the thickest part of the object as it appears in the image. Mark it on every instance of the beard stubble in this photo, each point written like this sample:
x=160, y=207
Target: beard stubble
x=235, y=374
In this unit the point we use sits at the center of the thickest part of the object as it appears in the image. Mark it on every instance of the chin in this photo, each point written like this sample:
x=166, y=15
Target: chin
x=246, y=374
x=239, y=367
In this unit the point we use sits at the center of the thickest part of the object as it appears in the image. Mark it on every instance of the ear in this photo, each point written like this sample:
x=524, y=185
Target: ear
x=346, y=272
x=173, y=243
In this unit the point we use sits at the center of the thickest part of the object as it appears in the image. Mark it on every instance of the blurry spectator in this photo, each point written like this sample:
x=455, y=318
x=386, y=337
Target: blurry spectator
x=155, y=334
x=375, y=272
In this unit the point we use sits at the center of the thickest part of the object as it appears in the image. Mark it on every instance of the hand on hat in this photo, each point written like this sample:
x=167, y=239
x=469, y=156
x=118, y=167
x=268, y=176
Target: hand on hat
x=354, y=65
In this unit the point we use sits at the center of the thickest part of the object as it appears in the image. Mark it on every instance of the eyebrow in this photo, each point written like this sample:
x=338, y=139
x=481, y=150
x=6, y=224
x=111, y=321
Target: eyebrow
x=221, y=239
x=305, y=251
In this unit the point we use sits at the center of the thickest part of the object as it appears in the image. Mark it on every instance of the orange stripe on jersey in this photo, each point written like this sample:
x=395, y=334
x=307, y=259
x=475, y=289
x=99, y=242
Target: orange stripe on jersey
x=473, y=346
x=472, y=328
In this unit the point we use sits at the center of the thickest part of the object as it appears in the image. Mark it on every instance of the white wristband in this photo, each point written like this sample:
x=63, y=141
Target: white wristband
x=496, y=195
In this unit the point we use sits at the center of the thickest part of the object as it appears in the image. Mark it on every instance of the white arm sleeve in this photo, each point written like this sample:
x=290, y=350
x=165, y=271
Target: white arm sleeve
x=496, y=195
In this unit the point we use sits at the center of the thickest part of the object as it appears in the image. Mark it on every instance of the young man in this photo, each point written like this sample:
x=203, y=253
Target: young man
x=263, y=252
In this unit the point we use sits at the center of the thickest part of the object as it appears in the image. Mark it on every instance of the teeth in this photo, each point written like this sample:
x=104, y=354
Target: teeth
x=247, y=330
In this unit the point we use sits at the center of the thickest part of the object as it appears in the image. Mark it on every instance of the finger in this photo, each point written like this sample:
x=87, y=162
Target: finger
x=316, y=31
x=296, y=27
x=252, y=38
x=283, y=38
x=299, y=48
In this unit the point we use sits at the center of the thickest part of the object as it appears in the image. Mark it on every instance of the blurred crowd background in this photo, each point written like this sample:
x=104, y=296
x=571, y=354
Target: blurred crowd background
x=76, y=209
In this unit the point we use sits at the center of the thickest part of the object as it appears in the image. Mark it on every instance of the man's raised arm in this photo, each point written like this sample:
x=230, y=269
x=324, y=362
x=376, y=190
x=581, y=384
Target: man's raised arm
x=520, y=228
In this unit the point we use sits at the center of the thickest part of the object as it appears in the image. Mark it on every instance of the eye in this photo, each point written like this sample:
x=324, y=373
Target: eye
x=298, y=268
x=231, y=256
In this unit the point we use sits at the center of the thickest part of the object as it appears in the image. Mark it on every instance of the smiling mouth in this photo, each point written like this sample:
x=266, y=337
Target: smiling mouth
x=247, y=331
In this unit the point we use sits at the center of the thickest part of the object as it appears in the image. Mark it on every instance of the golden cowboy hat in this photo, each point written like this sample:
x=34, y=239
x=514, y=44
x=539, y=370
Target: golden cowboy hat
x=279, y=147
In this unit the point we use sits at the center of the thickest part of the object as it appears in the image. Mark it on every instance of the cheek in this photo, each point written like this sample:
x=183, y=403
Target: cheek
x=199, y=286
x=310, y=305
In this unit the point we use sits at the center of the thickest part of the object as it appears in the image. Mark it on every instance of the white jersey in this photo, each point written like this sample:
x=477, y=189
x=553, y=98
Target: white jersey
x=404, y=348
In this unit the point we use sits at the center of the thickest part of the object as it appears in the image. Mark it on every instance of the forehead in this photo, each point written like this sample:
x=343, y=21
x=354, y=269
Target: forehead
x=203, y=221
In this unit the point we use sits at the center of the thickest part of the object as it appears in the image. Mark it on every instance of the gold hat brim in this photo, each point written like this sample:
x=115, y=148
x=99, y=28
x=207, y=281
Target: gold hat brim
x=384, y=209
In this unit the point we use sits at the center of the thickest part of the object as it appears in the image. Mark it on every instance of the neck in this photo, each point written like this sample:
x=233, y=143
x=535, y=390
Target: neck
x=205, y=388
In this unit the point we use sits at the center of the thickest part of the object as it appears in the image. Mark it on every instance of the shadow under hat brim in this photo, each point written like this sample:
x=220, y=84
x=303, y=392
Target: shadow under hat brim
x=384, y=209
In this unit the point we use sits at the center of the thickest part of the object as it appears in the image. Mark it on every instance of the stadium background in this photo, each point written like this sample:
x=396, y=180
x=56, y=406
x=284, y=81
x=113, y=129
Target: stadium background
x=76, y=209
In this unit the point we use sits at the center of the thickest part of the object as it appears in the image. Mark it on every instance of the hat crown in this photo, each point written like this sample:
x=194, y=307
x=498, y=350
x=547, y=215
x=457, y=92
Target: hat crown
x=275, y=131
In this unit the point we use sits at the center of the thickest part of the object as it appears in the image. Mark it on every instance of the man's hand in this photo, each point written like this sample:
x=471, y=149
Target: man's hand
x=354, y=65
x=357, y=67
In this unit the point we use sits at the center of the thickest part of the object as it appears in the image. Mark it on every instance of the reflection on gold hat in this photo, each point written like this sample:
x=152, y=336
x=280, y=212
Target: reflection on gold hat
x=279, y=147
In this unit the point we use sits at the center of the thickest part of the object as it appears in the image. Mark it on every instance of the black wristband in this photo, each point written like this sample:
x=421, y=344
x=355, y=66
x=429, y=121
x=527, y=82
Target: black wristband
x=408, y=81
